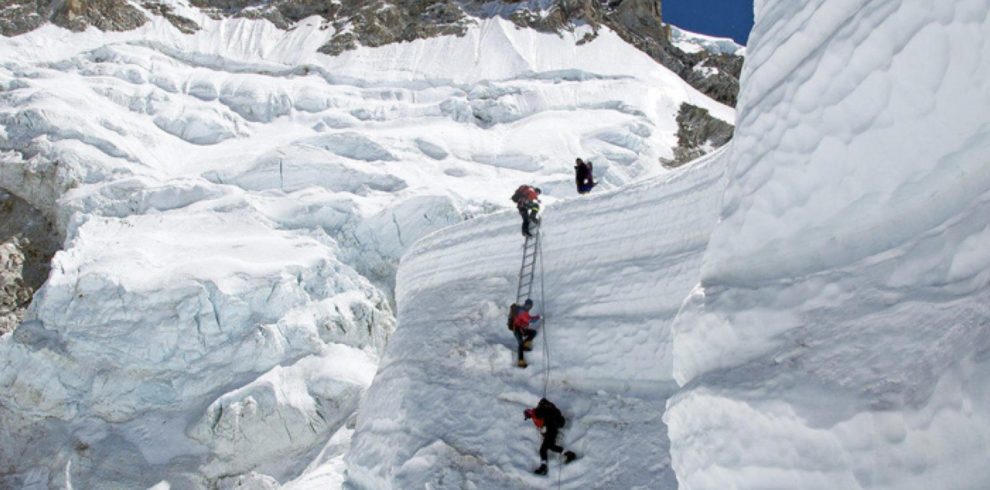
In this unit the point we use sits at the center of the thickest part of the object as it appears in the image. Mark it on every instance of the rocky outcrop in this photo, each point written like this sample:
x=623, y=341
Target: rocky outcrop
x=181, y=23
x=379, y=23
x=698, y=134
x=14, y=294
x=20, y=16
x=716, y=75
x=105, y=15
x=27, y=244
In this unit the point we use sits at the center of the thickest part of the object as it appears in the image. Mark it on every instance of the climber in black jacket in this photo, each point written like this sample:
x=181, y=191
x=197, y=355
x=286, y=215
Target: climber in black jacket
x=584, y=176
x=548, y=419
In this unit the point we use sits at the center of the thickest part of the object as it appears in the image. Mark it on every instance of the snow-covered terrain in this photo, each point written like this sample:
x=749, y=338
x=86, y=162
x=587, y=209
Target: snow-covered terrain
x=448, y=397
x=233, y=207
x=692, y=42
x=804, y=309
x=808, y=307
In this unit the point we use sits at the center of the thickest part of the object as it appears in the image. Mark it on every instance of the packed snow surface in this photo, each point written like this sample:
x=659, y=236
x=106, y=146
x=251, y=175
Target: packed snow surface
x=808, y=308
x=448, y=398
x=234, y=205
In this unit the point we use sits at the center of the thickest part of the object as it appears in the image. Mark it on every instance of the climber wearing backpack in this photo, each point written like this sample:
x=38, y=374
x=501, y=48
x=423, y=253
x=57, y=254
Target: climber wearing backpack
x=548, y=420
x=584, y=176
x=527, y=199
x=519, y=322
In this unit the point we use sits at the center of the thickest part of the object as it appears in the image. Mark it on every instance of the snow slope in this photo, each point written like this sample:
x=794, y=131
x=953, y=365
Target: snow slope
x=833, y=328
x=446, y=405
x=234, y=205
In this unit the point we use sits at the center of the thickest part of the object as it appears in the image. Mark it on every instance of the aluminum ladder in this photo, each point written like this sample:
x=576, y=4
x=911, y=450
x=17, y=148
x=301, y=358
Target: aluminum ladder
x=528, y=269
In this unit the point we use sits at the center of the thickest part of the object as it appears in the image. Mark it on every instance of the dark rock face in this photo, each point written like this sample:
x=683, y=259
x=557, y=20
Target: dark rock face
x=105, y=15
x=698, y=133
x=27, y=243
x=181, y=23
x=20, y=16
x=695, y=68
x=382, y=22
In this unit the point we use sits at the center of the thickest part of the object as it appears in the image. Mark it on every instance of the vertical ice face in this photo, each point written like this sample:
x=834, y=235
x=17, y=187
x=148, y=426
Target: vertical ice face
x=849, y=130
x=839, y=338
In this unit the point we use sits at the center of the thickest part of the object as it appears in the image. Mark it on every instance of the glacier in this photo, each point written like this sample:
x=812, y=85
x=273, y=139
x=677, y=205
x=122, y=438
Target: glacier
x=232, y=207
x=805, y=309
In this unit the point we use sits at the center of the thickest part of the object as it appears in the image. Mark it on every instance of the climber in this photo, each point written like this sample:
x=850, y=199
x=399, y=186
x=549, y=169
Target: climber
x=584, y=176
x=548, y=420
x=527, y=199
x=519, y=322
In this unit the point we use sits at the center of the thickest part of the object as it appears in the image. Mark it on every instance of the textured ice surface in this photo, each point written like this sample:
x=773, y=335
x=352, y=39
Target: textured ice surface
x=839, y=335
x=235, y=205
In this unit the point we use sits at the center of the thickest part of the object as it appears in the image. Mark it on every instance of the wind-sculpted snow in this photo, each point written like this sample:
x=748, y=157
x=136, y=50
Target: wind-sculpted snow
x=234, y=205
x=445, y=409
x=839, y=335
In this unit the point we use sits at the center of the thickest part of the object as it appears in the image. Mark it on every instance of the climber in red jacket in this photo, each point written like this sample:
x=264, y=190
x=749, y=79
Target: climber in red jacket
x=527, y=199
x=548, y=420
x=520, y=321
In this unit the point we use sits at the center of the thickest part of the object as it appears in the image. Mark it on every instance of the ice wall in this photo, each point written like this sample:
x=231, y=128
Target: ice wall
x=840, y=336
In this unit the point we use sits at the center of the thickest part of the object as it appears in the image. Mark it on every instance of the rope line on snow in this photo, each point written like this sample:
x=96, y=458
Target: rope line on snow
x=526, y=280
x=543, y=305
x=546, y=343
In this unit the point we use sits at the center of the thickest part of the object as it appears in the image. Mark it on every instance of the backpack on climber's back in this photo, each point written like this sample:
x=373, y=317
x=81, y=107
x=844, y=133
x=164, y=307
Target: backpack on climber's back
x=550, y=413
x=519, y=195
x=513, y=311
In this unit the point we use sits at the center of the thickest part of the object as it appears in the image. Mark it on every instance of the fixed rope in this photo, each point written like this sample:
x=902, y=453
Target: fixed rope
x=546, y=343
x=543, y=305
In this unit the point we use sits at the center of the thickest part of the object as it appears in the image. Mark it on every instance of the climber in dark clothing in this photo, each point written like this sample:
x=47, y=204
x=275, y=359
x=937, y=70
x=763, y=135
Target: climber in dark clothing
x=548, y=419
x=519, y=322
x=584, y=176
x=527, y=199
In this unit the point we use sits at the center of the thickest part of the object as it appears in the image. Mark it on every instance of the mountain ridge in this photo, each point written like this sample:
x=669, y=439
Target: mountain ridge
x=379, y=22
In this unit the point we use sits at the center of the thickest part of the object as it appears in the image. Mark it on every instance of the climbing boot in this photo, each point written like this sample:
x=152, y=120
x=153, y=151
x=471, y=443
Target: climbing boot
x=569, y=456
x=528, y=345
x=542, y=470
x=522, y=363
